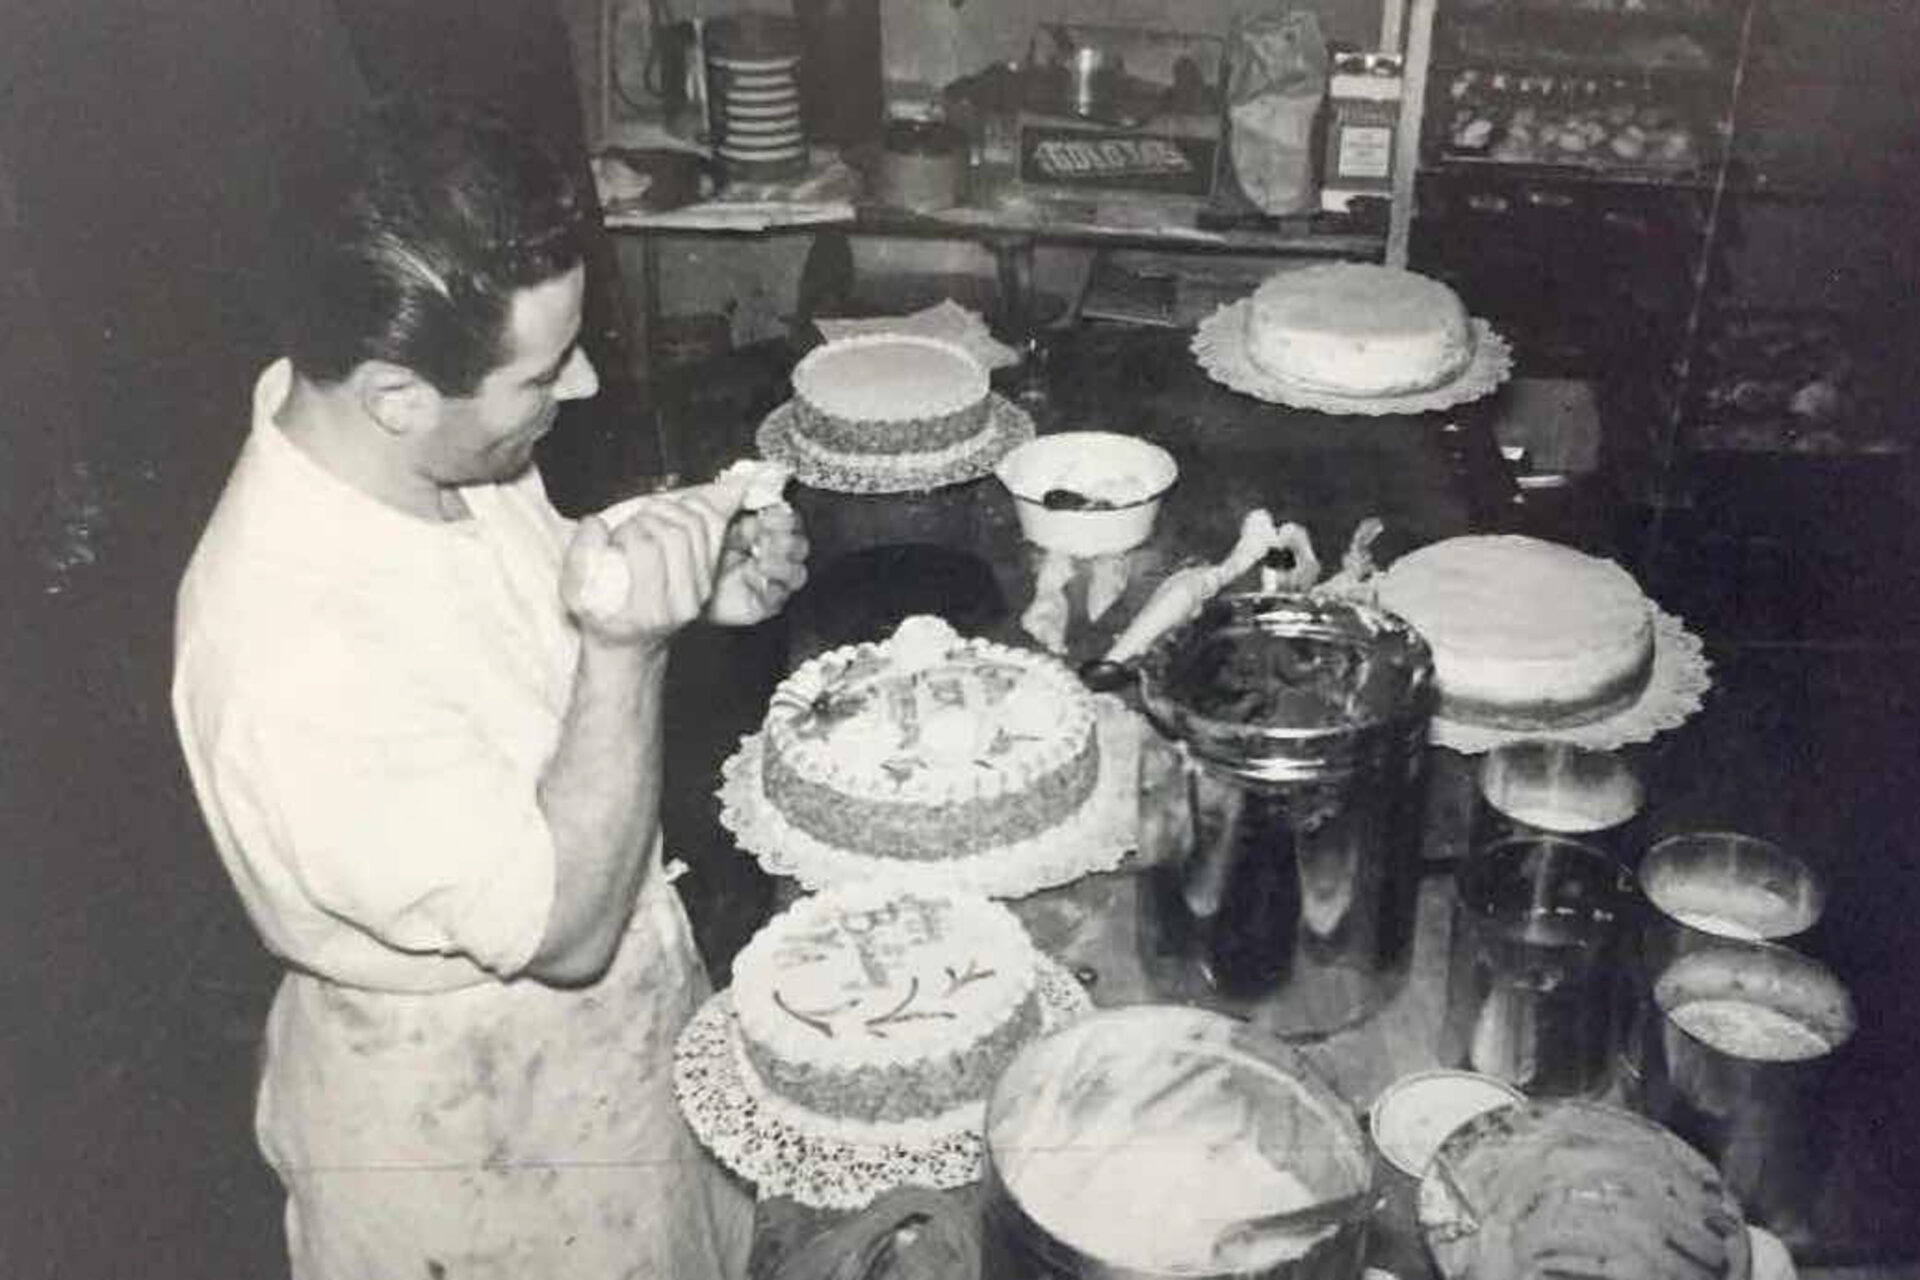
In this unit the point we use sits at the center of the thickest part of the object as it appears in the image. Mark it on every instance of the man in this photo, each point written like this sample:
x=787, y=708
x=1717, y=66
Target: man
x=432, y=768
x=517, y=58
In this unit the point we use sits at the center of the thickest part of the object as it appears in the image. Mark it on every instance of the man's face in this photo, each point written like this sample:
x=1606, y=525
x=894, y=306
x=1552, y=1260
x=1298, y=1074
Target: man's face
x=489, y=435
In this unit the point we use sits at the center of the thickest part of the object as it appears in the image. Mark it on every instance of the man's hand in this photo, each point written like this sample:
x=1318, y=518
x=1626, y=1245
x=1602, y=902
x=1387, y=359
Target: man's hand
x=762, y=564
x=670, y=548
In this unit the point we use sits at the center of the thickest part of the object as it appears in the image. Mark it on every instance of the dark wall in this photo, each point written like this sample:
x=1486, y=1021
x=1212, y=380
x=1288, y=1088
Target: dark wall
x=135, y=144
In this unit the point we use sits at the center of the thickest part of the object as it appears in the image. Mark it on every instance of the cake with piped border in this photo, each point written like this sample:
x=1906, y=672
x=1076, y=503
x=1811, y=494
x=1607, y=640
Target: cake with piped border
x=1526, y=634
x=1358, y=329
x=929, y=745
x=887, y=401
x=864, y=1005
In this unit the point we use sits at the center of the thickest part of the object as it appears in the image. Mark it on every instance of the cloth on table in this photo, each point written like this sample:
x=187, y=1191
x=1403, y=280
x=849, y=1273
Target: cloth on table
x=911, y=1233
x=824, y=194
x=947, y=320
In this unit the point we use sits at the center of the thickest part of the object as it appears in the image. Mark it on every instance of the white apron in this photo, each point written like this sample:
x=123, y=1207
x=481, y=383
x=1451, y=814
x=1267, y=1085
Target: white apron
x=508, y=1131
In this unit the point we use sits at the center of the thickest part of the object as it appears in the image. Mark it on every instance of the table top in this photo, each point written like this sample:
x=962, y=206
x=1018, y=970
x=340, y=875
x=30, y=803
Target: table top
x=958, y=551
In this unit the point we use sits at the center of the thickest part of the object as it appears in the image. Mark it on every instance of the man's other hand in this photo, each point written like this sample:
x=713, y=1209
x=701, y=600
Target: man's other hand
x=762, y=564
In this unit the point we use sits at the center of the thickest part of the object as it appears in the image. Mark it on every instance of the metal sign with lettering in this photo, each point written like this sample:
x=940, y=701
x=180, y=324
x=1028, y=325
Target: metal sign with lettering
x=1121, y=160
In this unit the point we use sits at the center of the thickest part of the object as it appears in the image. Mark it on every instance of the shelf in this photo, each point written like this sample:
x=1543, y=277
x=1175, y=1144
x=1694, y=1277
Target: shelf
x=1634, y=44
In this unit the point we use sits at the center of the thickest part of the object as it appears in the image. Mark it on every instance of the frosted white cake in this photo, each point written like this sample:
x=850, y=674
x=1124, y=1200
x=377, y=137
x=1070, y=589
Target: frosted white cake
x=1525, y=634
x=876, y=1007
x=882, y=402
x=930, y=745
x=1357, y=329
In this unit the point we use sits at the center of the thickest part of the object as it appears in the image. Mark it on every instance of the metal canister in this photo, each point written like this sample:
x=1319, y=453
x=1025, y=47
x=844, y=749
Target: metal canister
x=1143, y=1143
x=1280, y=809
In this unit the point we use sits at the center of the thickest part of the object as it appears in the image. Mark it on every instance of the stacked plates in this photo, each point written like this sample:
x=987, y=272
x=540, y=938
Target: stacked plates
x=753, y=94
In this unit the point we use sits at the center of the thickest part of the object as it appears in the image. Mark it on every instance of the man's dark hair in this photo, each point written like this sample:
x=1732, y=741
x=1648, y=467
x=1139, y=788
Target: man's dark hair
x=411, y=244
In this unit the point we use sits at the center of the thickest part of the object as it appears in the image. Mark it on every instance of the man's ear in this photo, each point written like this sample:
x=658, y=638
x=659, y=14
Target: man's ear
x=394, y=396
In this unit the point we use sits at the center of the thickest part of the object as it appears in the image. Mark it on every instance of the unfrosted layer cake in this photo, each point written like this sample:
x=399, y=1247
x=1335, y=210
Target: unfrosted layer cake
x=1525, y=634
x=875, y=397
x=929, y=745
x=1356, y=329
x=872, y=1006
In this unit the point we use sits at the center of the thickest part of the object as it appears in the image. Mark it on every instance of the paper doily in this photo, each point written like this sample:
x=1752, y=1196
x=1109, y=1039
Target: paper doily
x=1007, y=425
x=1675, y=689
x=784, y=1155
x=1093, y=840
x=1220, y=346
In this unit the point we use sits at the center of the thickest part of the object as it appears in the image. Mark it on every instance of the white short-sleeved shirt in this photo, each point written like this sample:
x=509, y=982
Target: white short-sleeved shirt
x=366, y=701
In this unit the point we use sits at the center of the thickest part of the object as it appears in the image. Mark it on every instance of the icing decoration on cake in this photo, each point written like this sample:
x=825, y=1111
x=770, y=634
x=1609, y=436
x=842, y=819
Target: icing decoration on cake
x=930, y=745
x=1358, y=329
x=1525, y=634
x=880, y=1007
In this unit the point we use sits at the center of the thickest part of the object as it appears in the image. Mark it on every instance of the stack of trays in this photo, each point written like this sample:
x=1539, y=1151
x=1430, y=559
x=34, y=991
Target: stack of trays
x=753, y=94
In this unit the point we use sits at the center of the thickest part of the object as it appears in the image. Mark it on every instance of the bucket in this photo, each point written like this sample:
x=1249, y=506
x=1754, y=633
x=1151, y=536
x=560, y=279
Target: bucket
x=1139, y=1143
x=1280, y=809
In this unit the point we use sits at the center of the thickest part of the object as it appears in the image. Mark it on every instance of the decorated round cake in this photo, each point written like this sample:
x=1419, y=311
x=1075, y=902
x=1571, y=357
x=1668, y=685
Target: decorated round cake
x=876, y=1007
x=1357, y=329
x=1526, y=634
x=881, y=401
x=929, y=745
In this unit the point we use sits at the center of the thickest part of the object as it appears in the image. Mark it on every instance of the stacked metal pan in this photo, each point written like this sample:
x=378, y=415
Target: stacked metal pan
x=753, y=94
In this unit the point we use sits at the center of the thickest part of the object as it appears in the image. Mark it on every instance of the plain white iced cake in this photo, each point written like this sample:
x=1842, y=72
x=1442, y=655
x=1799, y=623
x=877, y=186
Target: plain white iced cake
x=1525, y=634
x=1357, y=329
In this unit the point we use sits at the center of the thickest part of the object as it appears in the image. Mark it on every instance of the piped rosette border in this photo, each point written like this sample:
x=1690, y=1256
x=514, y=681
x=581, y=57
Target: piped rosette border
x=781, y=438
x=1095, y=838
x=814, y=1159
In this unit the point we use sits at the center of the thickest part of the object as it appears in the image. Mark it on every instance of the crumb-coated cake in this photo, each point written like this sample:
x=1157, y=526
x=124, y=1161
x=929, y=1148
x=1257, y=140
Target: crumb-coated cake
x=1525, y=634
x=929, y=745
x=1358, y=329
x=882, y=401
x=868, y=1005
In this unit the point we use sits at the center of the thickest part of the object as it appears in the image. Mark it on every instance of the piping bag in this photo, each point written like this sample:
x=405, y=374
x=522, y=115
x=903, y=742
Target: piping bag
x=747, y=485
x=1186, y=591
x=1046, y=618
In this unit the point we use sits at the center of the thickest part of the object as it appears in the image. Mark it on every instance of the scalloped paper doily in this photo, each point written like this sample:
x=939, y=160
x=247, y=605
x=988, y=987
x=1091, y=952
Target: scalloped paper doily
x=785, y=1152
x=1675, y=690
x=1094, y=839
x=1007, y=425
x=1220, y=345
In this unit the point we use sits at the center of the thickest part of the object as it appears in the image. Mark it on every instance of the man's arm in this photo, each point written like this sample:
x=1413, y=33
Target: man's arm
x=601, y=790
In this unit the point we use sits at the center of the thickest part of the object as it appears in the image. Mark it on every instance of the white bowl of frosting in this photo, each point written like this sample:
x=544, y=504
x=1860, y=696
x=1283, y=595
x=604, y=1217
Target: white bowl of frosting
x=1087, y=493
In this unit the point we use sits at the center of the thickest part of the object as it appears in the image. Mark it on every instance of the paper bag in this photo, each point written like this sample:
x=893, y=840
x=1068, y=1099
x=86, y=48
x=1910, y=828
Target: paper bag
x=1277, y=78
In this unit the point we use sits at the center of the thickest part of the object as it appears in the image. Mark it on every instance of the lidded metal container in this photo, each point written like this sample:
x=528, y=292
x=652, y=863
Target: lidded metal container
x=1280, y=809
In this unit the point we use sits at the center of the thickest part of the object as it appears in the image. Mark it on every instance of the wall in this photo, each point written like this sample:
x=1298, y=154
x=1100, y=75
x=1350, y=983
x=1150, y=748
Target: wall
x=930, y=42
x=927, y=43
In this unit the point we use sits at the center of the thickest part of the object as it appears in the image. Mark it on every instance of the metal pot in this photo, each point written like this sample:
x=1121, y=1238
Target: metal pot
x=1143, y=1142
x=1280, y=809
